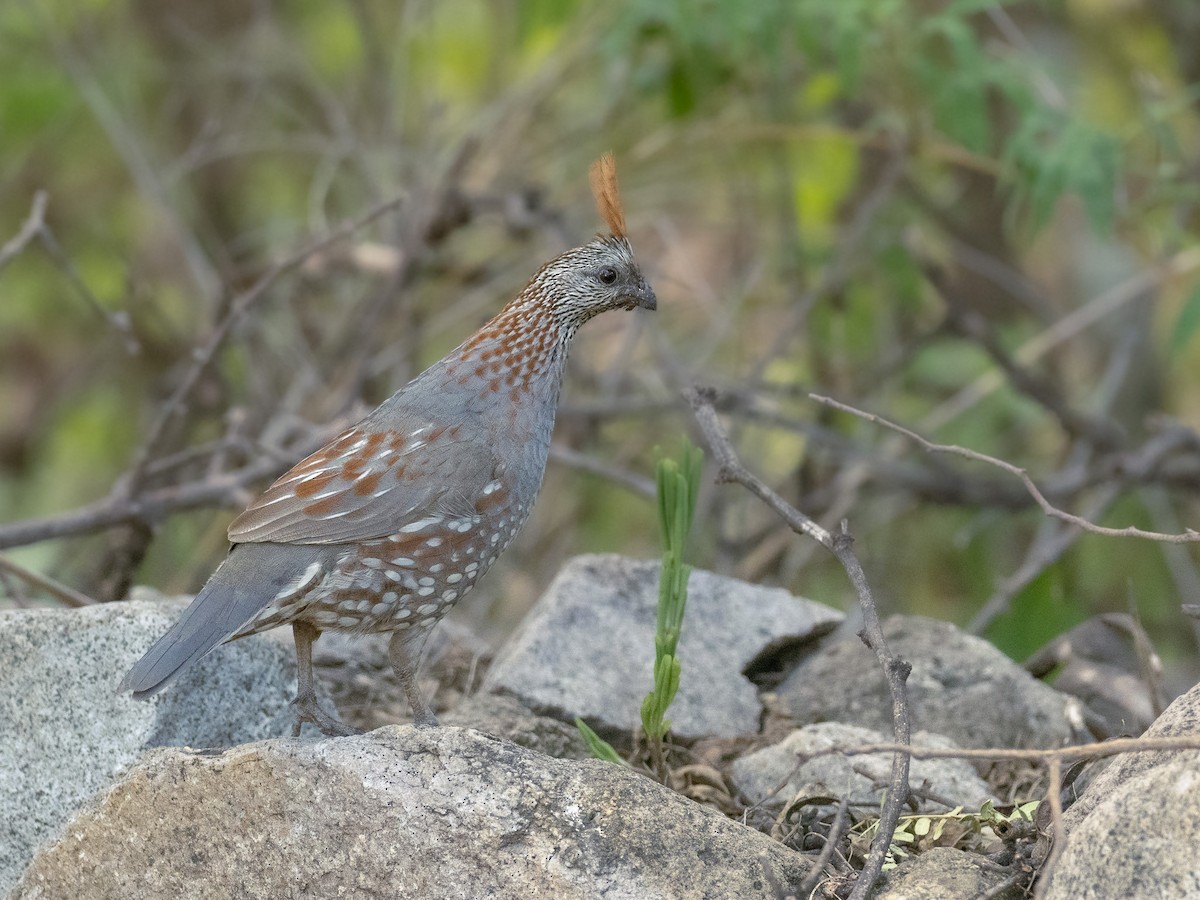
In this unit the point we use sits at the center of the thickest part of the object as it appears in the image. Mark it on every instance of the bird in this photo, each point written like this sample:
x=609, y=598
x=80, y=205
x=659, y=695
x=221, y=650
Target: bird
x=390, y=524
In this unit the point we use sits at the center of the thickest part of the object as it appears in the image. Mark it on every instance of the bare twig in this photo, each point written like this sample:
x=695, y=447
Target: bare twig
x=584, y=463
x=817, y=872
x=841, y=544
x=1187, y=537
x=30, y=229
x=150, y=507
x=68, y=595
x=203, y=356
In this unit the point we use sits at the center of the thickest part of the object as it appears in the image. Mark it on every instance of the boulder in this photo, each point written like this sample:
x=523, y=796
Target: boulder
x=401, y=812
x=66, y=733
x=587, y=647
x=961, y=687
x=1134, y=831
x=861, y=778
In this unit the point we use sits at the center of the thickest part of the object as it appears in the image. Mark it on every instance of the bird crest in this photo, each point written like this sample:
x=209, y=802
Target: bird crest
x=603, y=177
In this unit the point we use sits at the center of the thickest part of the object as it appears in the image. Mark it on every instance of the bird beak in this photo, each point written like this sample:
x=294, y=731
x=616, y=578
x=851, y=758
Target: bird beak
x=643, y=296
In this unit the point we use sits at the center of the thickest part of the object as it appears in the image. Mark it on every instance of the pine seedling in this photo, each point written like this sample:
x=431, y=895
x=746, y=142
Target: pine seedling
x=678, y=485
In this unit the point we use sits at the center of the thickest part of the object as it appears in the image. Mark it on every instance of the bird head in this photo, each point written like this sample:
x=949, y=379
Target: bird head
x=602, y=274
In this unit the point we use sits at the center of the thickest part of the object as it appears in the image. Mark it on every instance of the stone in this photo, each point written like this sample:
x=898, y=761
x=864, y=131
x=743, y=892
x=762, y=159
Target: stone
x=1134, y=831
x=961, y=687
x=419, y=813
x=942, y=873
x=66, y=732
x=505, y=717
x=587, y=647
x=1182, y=717
x=359, y=677
x=759, y=774
x=1139, y=841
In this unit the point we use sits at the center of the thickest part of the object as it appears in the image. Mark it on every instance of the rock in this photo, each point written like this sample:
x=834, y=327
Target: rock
x=759, y=774
x=356, y=671
x=1180, y=718
x=587, y=647
x=419, y=813
x=1134, y=831
x=505, y=717
x=1103, y=661
x=961, y=687
x=66, y=732
x=1139, y=841
x=942, y=873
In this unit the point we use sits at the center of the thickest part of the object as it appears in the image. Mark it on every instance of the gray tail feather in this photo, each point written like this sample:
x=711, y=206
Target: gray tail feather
x=243, y=585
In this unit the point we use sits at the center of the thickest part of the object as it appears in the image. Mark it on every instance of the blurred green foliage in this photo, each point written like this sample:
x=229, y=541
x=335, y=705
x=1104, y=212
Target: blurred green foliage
x=186, y=146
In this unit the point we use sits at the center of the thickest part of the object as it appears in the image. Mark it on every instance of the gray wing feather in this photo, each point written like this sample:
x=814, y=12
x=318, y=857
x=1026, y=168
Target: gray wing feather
x=243, y=585
x=329, y=498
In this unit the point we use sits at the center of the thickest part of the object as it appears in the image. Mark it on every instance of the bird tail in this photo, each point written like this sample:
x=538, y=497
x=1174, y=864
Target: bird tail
x=244, y=584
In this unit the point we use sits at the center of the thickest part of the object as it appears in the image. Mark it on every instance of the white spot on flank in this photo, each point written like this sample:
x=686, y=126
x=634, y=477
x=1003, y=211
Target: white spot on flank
x=404, y=561
x=404, y=613
x=437, y=567
x=390, y=598
x=491, y=487
x=392, y=575
x=420, y=524
x=425, y=591
x=427, y=609
x=450, y=596
x=454, y=578
x=304, y=582
x=434, y=542
x=372, y=563
x=426, y=581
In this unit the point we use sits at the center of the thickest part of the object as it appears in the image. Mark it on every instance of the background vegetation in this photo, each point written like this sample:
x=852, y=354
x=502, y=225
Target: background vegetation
x=978, y=219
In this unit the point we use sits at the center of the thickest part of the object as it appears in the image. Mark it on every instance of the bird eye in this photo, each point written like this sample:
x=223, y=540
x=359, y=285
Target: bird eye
x=608, y=274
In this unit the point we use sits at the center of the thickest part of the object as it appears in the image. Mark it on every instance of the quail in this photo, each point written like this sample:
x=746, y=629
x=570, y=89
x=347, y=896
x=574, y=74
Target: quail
x=389, y=525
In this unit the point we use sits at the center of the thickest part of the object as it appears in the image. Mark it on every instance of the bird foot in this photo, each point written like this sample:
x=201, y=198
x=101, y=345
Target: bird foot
x=308, y=710
x=425, y=718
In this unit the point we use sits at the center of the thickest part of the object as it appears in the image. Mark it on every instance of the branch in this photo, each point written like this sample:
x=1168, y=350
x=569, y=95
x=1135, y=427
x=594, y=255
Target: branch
x=1187, y=537
x=68, y=595
x=841, y=545
x=32, y=227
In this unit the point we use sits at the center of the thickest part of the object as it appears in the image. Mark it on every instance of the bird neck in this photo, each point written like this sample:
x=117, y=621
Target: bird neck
x=522, y=349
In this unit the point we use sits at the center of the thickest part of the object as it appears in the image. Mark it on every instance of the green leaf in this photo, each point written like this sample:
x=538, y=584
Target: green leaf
x=601, y=749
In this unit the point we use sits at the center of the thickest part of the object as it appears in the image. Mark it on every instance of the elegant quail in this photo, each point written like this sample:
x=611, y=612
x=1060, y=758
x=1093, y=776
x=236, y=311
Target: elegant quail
x=385, y=528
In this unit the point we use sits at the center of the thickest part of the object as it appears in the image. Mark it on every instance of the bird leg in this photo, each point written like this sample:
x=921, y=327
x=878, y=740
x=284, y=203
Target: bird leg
x=405, y=652
x=305, y=704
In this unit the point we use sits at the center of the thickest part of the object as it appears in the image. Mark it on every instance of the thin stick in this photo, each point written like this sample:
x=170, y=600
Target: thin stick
x=841, y=545
x=68, y=595
x=1187, y=537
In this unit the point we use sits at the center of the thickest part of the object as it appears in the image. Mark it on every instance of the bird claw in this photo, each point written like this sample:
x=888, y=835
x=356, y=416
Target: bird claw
x=307, y=710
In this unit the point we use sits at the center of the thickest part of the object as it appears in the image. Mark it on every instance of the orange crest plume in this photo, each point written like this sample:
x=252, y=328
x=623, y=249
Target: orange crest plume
x=603, y=176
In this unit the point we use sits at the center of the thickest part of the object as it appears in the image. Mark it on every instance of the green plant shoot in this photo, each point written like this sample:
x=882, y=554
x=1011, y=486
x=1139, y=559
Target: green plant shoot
x=678, y=485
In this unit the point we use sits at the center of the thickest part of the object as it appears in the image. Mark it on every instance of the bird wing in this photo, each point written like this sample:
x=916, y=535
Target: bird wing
x=368, y=483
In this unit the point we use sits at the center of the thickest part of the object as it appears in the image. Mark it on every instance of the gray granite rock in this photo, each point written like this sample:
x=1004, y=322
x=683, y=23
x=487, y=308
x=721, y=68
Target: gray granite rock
x=1182, y=717
x=1139, y=842
x=961, y=687
x=506, y=717
x=66, y=733
x=401, y=812
x=861, y=778
x=1135, y=830
x=944, y=873
x=587, y=647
